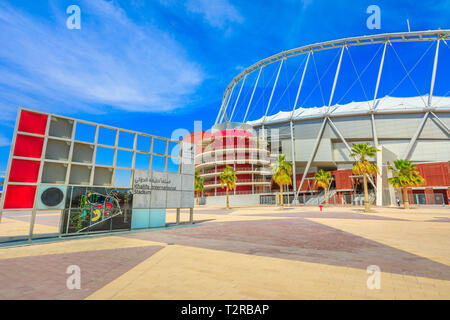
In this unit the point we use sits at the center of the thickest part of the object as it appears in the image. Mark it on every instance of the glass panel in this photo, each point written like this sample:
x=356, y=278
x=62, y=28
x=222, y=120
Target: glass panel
x=126, y=140
x=143, y=143
x=85, y=132
x=106, y=136
x=159, y=146
x=124, y=159
x=158, y=163
x=15, y=224
x=172, y=165
x=104, y=156
x=122, y=178
x=142, y=161
x=91, y=209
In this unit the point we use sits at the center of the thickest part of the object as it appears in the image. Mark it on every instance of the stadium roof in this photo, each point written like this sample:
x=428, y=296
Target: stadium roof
x=385, y=105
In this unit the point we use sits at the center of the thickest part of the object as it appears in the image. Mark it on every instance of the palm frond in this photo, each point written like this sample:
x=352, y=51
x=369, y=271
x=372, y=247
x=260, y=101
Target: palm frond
x=282, y=171
x=405, y=174
x=228, y=178
x=323, y=178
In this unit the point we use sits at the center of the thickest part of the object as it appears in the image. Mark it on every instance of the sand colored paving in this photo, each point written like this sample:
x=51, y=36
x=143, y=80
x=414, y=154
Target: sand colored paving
x=76, y=245
x=223, y=214
x=429, y=239
x=178, y=272
x=248, y=253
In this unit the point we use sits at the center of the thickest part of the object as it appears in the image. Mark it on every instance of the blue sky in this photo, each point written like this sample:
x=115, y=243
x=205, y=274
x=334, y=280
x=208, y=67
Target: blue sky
x=155, y=66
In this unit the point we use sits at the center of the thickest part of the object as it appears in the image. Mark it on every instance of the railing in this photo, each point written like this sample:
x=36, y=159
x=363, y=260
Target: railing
x=252, y=180
x=426, y=199
x=319, y=198
x=264, y=172
x=234, y=148
x=209, y=183
x=231, y=155
x=239, y=193
x=237, y=159
x=257, y=139
x=358, y=199
x=228, y=161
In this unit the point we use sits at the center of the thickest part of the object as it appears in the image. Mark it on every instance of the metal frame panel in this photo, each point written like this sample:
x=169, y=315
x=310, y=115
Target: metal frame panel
x=69, y=162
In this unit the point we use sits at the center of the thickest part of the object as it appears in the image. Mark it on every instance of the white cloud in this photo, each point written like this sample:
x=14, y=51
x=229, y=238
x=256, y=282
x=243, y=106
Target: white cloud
x=306, y=3
x=217, y=13
x=110, y=61
x=4, y=141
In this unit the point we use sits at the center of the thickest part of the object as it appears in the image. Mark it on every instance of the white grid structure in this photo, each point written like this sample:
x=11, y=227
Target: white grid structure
x=67, y=161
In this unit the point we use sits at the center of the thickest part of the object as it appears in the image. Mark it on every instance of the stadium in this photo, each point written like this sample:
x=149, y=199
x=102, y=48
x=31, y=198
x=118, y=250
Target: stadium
x=311, y=103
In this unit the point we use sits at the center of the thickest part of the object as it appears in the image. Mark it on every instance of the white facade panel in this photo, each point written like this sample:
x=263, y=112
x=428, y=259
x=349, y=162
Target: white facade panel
x=356, y=127
x=307, y=129
x=304, y=147
x=397, y=126
x=396, y=146
x=431, y=150
x=433, y=130
x=340, y=151
x=286, y=149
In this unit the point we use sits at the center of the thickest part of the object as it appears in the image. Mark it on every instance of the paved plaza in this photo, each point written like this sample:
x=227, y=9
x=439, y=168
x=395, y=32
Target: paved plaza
x=244, y=253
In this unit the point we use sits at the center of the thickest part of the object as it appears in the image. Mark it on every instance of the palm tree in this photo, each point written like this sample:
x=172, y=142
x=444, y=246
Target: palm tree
x=282, y=171
x=228, y=180
x=198, y=184
x=362, y=166
x=405, y=175
x=323, y=179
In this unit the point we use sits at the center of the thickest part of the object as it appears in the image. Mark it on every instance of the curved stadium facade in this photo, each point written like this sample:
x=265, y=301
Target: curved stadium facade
x=414, y=128
x=245, y=152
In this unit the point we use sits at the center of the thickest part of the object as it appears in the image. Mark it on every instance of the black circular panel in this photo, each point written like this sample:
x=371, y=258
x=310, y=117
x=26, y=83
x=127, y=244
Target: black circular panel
x=52, y=197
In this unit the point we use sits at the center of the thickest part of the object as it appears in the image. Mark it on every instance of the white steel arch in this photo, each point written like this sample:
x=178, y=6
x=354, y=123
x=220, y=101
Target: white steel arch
x=385, y=39
x=429, y=35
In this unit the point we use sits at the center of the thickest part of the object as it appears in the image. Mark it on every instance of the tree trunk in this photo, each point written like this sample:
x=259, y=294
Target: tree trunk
x=197, y=197
x=281, y=200
x=326, y=197
x=366, y=195
x=405, y=198
x=228, y=203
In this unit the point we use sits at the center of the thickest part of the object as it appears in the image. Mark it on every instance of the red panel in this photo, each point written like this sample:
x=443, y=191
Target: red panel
x=244, y=188
x=343, y=180
x=32, y=122
x=308, y=184
x=435, y=174
x=28, y=146
x=239, y=133
x=243, y=165
x=24, y=171
x=19, y=197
